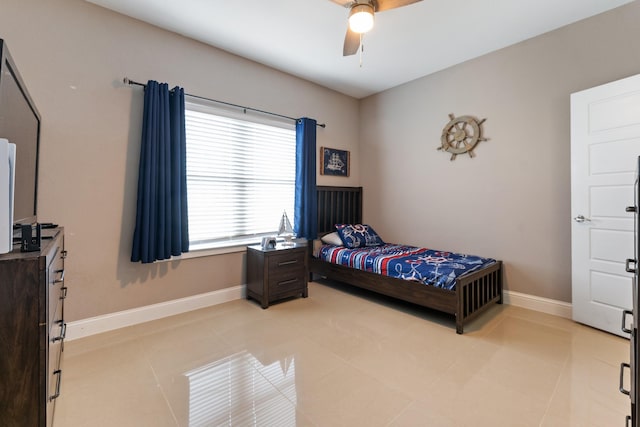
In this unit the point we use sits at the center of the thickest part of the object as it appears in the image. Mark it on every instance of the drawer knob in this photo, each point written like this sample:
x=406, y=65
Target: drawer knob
x=622, y=368
x=287, y=282
x=61, y=278
x=63, y=332
x=627, y=265
x=57, y=372
x=624, y=321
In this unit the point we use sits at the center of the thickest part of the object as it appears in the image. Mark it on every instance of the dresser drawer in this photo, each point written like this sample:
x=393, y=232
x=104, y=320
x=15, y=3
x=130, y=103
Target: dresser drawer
x=57, y=327
x=56, y=283
x=54, y=379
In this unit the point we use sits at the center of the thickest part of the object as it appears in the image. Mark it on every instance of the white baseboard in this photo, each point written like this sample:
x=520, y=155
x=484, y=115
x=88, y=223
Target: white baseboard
x=532, y=302
x=108, y=322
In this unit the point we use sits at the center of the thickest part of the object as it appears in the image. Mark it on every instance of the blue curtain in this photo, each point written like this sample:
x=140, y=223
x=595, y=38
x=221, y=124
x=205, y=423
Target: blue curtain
x=305, y=215
x=161, y=220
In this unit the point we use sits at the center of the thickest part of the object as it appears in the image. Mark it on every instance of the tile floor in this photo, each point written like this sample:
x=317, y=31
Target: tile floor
x=343, y=357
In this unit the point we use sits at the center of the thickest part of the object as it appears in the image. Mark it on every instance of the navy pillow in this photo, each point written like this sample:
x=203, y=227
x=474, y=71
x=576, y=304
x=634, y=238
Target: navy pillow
x=358, y=235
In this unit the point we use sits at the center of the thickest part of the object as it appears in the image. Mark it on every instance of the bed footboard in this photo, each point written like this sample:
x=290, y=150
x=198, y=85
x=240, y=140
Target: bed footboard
x=476, y=292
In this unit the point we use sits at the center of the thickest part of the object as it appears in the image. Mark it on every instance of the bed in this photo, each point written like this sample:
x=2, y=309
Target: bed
x=470, y=295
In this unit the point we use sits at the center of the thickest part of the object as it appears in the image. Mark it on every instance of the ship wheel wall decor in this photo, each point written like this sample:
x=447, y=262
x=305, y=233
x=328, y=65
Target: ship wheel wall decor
x=461, y=135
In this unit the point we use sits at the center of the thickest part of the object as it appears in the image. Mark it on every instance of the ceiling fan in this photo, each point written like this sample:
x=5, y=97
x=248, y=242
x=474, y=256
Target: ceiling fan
x=361, y=19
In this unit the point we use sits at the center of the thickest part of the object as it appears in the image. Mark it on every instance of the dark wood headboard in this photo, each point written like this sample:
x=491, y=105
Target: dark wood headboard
x=338, y=205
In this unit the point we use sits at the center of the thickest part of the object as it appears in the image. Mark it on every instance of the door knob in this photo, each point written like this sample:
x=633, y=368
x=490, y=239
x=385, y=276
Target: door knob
x=581, y=218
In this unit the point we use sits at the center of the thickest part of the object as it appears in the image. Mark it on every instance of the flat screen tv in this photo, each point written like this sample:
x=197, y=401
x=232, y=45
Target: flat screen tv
x=20, y=124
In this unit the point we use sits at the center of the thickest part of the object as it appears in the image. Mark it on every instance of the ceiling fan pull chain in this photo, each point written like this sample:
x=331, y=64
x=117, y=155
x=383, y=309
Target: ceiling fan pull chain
x=361, y=49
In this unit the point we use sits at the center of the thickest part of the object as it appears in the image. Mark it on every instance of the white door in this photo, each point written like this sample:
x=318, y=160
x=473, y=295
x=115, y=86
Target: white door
x=605, y=144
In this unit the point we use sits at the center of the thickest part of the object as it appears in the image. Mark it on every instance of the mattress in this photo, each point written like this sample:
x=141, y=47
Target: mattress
x=426, y=266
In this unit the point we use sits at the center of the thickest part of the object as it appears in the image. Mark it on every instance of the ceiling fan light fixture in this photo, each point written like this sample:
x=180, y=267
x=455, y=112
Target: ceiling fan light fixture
x=361, y=18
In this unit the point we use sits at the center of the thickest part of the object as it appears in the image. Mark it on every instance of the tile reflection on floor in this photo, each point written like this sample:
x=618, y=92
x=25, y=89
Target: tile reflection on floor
x=344, y=357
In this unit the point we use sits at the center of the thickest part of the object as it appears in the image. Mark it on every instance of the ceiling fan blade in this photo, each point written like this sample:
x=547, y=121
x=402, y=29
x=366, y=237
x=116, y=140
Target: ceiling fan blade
x=382, y=5
x=344, y=3
x=351, y=43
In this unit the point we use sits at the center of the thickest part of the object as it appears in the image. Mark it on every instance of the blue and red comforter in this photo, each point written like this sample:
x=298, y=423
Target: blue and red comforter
x=428, y=266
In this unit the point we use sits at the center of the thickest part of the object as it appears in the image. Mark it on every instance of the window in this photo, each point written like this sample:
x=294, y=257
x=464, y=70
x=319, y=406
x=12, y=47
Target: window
x=240, y=176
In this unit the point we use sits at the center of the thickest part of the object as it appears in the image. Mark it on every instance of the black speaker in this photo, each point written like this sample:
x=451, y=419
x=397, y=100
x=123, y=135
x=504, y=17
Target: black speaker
x=30, y=242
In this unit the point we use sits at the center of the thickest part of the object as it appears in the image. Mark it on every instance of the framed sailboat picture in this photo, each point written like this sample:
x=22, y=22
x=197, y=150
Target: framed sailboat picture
x=334, y=162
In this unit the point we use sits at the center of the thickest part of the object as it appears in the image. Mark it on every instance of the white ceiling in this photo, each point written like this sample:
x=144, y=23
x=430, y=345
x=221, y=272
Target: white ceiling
x=304, y=37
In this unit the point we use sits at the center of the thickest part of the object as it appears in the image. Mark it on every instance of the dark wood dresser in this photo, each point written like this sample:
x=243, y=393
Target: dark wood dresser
x=274, y=274
x=32, y=330
x=632, y=328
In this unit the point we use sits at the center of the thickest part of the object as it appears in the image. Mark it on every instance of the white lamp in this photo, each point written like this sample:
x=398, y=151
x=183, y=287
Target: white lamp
x=361, y=18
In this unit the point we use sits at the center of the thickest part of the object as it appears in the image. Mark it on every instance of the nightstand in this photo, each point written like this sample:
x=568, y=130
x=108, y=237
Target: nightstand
x=274, y=274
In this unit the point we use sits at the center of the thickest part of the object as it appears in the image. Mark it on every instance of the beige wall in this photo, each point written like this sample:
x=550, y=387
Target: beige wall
x=73, y=56
x=512, y=201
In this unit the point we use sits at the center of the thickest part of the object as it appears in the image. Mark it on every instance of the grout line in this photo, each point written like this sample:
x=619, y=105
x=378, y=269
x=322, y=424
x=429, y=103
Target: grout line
x=402, y=412
x=164, y=395
x=565, y=366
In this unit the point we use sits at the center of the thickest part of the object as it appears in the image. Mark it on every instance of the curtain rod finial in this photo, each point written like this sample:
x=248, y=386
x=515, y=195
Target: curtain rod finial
x=126, y=80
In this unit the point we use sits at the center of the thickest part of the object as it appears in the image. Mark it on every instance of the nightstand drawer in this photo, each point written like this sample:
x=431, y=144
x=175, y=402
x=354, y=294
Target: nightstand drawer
x=287, y=260
x=289, y=280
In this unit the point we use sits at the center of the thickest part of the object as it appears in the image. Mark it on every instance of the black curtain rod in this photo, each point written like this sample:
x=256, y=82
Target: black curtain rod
x=127, y=81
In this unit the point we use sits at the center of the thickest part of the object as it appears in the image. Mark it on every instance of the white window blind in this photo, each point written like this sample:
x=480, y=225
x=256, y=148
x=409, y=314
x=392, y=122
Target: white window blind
x=240, y=176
